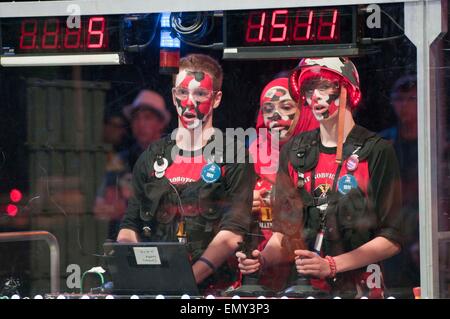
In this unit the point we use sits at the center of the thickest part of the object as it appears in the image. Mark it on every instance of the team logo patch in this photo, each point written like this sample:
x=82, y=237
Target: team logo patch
x=322, y=190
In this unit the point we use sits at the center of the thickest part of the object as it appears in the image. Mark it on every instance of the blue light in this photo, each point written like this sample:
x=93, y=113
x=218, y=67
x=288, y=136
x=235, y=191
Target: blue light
x=167, y=41
x=165, y=20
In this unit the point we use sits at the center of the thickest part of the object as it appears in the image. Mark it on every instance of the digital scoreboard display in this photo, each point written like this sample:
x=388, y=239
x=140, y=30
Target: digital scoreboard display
x=287, y=32
x=278, y=33
x=56, y=36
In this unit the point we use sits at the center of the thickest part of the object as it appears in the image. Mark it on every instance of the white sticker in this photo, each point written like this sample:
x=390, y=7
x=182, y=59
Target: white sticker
x=230, y=50
x=147, y=255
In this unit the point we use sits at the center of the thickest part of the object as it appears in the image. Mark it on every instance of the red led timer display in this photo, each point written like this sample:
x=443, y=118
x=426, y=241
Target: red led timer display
x=53, y=33
x=288, y=26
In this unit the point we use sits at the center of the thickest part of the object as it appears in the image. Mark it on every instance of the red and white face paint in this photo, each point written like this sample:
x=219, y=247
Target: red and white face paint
x=278, y=110
x=193, y=95
x=322, y=95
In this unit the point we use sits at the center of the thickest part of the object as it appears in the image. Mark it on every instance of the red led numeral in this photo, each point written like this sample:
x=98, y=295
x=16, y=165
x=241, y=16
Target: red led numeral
x=276, y=27
x=96, y=32
x=28, y=34
x=72, y=38
x=255, y=29
x=327, y=29
x=50, y=34
x=304, y=27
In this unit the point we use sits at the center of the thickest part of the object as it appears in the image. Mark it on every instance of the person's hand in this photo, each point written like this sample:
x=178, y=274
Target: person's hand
x=309, y=263
x=249, y=265
x=257, y=201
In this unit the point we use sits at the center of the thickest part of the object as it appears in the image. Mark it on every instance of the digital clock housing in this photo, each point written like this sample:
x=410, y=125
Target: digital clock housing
x=31, y=40
x=290, y=32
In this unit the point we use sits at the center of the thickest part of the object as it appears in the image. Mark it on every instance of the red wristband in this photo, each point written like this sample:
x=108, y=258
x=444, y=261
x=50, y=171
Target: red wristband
x=332, y=264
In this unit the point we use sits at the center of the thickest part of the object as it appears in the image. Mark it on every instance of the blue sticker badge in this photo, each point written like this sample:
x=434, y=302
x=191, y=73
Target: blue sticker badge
x=211, y=172
x=346, y=183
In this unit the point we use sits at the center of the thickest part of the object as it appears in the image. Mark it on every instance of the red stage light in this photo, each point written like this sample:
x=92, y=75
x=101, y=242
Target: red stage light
x=15, y=195
x=11, y=210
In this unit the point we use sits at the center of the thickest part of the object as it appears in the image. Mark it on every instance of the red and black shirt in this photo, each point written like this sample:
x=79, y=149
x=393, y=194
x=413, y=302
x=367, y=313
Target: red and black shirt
x=377, y=176
x=236, y=186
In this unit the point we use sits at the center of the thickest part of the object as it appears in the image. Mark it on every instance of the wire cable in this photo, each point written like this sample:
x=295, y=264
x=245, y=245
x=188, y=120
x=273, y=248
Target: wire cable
x=392, y=19
x=140, y=47
x=379, y=40
x=198, y=29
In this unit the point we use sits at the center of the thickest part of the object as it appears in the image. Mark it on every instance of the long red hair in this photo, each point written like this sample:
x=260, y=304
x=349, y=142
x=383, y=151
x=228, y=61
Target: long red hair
x=306, y=122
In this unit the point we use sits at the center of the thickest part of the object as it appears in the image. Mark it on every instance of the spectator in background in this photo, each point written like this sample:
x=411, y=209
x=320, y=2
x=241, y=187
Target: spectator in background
x=404, y=268
x=114, y=134
x=148, y=118
x=114, y=131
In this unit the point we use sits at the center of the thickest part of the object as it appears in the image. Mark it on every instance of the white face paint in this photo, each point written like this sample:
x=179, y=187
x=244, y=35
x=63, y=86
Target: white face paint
x=194, y=124
x=321, y=102
x=195, y=105
x=180, y=77
x=279, y=110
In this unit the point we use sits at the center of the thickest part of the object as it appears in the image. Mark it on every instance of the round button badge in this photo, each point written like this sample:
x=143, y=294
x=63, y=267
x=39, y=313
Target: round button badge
x=211, y=173
x=352, y=163
x=347, y=183
x=160, y=167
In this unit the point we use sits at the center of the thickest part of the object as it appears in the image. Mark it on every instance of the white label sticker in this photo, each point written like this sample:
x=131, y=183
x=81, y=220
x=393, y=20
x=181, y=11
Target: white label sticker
x=230, y=50
x=147, y=255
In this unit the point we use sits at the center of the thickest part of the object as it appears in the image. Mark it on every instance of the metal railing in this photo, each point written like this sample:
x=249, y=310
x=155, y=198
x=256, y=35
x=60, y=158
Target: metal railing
x=52, y=243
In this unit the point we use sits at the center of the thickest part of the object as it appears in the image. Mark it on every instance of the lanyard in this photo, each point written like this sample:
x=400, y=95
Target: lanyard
x=322, y=204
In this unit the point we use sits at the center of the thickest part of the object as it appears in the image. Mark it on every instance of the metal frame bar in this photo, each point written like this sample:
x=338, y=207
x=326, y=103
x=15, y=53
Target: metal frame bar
x=53, y=245
x=424, y=24
x=91, y=7
x=56, y=60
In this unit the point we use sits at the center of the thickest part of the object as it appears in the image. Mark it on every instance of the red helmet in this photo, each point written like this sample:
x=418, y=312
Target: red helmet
x=335, y=67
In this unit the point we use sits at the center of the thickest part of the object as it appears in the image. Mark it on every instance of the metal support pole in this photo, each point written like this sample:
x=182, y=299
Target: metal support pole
x=424, y=23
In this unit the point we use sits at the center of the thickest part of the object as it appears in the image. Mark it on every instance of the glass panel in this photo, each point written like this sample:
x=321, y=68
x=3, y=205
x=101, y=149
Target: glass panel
x=72, y=134
x=440, y=50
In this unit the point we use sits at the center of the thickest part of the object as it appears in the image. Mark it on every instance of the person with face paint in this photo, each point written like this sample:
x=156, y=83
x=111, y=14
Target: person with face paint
x=186, y=188
x=279, y=116
x=337, y=207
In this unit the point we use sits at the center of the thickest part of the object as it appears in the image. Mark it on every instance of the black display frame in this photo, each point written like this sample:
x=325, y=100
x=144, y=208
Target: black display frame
x=292, y=51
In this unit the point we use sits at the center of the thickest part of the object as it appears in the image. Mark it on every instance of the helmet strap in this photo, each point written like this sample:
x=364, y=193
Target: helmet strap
x=341, y=123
